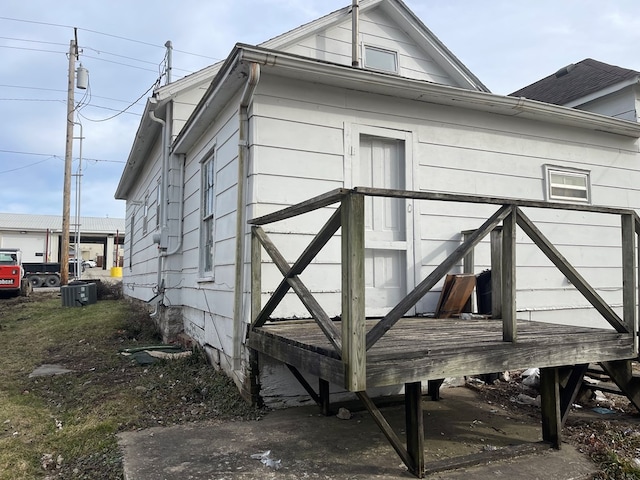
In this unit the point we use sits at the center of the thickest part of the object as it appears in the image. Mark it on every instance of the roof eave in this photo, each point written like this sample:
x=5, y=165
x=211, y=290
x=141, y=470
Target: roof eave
x=222, y=87
x=146, y=134
x=364, y=80
x=318, y=71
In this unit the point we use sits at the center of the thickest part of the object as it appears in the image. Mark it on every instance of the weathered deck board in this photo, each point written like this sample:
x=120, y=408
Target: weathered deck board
x=419, y=349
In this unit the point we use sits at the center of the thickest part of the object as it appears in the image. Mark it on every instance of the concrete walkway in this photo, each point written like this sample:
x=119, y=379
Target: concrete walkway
x=308, y=445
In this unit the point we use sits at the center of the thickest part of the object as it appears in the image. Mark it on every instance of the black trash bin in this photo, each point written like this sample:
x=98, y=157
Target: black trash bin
x=483, y=292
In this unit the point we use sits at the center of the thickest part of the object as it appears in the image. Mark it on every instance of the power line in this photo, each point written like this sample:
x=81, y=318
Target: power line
x=107, y=35
x=30, y=100
x=32, y=41
x=59, y=90
x=27, y=166
x=35, y=154
x=124, y=110
x=32, y=49
x=119, y=63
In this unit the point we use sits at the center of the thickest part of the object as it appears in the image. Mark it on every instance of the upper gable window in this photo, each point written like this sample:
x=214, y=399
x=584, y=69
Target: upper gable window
x=567, y=184
x=380, y=59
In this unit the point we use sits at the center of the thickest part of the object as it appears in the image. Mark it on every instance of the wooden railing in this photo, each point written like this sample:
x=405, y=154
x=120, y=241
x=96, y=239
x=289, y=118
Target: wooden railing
x=353, y=341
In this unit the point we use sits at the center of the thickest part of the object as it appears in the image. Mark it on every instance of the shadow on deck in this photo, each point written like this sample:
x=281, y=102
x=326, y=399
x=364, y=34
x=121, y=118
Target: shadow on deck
x=360, y=353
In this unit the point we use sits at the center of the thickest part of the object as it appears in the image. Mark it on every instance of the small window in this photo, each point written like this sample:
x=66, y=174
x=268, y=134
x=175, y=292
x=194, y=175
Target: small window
x=207, y=219
x=567, y=184
x=380, y=59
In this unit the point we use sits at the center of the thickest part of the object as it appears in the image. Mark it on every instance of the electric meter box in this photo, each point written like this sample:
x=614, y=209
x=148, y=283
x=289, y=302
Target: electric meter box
x=78, y=295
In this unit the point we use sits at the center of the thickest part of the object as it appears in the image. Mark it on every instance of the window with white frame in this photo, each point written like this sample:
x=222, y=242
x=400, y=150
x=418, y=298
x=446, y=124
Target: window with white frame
x=132, y=226
x=567, y=184
x=207, y=218
x=382, y=59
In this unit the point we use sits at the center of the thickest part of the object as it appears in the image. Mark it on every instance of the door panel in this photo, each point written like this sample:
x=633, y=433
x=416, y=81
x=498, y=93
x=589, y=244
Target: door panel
x=381, y=164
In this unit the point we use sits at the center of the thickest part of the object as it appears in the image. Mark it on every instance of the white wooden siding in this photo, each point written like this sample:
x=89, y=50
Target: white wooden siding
x=376, y=29
x=208, y=305
x=141, y=277
x=455, y=151
x=621, y=104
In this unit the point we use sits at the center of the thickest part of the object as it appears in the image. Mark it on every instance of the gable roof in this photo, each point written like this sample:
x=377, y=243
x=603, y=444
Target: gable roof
x=148, y=130
x=577, y=81
x=398, y=11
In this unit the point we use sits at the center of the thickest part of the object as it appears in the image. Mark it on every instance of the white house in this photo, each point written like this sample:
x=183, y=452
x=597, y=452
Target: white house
x=312, y=110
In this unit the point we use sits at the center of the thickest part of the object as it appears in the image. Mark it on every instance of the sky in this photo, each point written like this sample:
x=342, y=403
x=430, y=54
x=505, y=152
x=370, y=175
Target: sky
x=507, y=44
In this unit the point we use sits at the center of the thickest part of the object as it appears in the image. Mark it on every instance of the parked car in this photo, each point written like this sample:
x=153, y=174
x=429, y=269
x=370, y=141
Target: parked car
x=89, y=263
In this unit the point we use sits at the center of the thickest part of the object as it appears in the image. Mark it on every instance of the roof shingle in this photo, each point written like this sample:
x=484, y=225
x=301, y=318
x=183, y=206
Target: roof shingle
x=575, y=81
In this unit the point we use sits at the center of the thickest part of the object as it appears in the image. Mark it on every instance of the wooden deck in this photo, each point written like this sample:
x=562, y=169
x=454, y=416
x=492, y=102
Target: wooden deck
x=357, y=353
x=421, y=349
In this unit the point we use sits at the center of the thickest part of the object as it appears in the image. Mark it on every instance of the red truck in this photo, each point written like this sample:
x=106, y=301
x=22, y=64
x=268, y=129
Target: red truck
x=12, y=279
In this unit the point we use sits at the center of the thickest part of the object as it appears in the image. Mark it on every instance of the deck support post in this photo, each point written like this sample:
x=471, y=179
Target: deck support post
x=354, y=354
x=468, y=266
x=629, y=313
x=433, y=388
x=496, y=272
x=323, y=390
x=390, y=434
x=622, y=375
x=256, y=276
x=569, y=392
x=509, y=325
x=414, y=423
x=550, y=406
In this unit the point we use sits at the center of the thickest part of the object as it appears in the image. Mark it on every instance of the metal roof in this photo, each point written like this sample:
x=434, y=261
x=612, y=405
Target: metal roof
x=27, y=222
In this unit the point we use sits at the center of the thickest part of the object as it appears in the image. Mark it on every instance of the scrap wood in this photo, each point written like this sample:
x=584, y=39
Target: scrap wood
x=455, y=294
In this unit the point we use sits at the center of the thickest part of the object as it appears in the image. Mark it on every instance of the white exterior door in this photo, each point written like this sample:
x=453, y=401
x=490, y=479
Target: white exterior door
x=381, y=163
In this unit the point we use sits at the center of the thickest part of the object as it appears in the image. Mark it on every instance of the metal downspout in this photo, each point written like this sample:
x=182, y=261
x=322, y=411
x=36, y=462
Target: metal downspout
x=163, y=224
x=243, y=157
x=178, y=246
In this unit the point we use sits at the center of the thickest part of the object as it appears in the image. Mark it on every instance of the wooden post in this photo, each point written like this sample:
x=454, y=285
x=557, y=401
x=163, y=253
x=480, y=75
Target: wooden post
x=323, y=395
x=256, y=276
x=496, y=273
x=468, y=264
x=414, y=422
x=629, y=313
x=550, y=406
x=433, y=387
x=354, y=354
x=509, y=325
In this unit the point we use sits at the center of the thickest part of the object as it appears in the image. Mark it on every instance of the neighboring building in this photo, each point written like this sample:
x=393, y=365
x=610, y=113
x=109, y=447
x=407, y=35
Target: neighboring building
x=591, y=86
x=40, y=237
x=290, y=119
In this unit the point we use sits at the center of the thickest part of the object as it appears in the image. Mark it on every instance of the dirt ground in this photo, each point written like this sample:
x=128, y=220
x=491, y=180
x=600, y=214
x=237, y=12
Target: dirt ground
x=107, y=394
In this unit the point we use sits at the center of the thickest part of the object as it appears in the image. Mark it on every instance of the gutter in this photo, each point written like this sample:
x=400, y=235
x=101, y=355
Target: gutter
x=241, y=207
x=343, y=76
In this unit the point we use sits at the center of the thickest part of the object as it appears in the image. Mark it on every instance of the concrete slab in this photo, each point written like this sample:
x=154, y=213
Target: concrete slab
x=309, y=445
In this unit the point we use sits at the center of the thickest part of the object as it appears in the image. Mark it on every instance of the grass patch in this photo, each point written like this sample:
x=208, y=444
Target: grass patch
x=65, y=426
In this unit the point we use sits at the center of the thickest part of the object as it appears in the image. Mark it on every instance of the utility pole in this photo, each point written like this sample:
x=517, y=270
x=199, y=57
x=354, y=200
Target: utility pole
x=169, y=47
x=66, y=194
